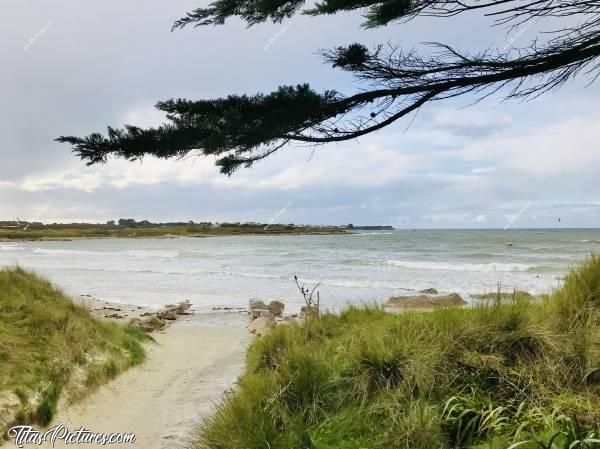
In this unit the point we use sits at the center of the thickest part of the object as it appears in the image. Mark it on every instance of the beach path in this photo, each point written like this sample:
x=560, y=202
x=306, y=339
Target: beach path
x=163, y=400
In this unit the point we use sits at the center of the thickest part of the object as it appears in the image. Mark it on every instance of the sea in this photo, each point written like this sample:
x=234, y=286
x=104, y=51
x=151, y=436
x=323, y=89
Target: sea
x=365, y=267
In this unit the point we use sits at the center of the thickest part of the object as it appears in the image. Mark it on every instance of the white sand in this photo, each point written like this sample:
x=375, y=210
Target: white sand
x=164, y=399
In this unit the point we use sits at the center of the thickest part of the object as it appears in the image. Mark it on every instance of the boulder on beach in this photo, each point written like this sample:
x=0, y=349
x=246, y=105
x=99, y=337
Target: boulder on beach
x=429, y=291
x=256, y=304
x=276, y=307
x=152, y=324
x=258, y=308
x=261, y=326
x=504, y=296
x=169, y=315
x=178, y=309
x=426, y=302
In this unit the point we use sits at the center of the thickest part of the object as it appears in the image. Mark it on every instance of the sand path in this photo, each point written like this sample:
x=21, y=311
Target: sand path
x=164, y=399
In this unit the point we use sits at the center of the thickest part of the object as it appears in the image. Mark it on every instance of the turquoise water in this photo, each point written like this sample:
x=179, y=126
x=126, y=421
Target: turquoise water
x=359, y=268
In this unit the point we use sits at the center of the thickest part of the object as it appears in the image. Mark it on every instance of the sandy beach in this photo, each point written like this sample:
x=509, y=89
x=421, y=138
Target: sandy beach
x=194, y=361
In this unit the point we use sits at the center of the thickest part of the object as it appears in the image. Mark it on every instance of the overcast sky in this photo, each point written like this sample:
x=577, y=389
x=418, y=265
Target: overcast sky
x=71, y=67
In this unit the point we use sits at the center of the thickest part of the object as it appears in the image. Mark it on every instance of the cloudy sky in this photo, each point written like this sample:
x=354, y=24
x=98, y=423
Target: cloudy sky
x=71, y=67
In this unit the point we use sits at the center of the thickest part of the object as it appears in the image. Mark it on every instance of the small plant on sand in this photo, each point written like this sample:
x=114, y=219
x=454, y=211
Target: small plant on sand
x=313, y=304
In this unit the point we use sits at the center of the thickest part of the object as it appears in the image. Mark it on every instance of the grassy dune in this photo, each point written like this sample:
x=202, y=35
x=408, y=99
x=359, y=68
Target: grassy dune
x=494, y=376
x=51, y=348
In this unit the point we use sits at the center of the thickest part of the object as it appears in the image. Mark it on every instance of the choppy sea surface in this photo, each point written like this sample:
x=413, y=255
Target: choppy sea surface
x=363, y=267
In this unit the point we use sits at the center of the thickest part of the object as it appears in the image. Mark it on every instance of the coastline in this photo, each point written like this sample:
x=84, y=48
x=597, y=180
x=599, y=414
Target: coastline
x=169, y=237
x=84, y=231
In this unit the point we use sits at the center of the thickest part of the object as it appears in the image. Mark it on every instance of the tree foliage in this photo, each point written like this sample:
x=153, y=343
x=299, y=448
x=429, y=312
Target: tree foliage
x=239, y=130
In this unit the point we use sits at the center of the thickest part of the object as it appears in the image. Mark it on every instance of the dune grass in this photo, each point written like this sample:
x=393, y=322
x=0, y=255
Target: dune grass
x=51, y=348
x=520, y=373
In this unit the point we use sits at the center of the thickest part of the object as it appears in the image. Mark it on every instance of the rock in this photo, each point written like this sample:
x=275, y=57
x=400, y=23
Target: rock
x=267, y=314
x=153, y=323
x=505, y=296
x=170, y=315
x=258, y=308
x=261, y=326
x=430, y=291
x=255, y=313
x=276, y=307
x=509, y=243
x=179, y=309
x=256, y=304
x=426, y=302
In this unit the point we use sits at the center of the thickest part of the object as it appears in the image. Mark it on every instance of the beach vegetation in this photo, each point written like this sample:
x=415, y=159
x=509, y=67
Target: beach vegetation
x=516, y=372
x=52, y=349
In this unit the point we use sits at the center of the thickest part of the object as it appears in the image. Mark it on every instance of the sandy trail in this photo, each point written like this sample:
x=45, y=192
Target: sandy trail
x=163, y=400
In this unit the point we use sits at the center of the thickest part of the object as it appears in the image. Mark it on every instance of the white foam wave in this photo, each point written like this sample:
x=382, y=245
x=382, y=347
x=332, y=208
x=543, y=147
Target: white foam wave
x=141, y=254
x=447, y=266
x=11, y=248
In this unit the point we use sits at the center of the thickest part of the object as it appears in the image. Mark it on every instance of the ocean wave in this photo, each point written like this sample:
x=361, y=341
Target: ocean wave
x=140, y=254
x=372, y=233
x=68, y=252
x=447, y=266
x=362, y=284
x=11, y=248
x=160, y=271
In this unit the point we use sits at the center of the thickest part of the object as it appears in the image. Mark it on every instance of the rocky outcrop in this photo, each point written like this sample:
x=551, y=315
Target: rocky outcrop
x=426, y=302
x=517, y=294
x=276, y=308
x=152, y=324
x=181, y=308
x=267, y=316
x=262, y=325
x=430, y=291
x=157, y=321
x=258, y=308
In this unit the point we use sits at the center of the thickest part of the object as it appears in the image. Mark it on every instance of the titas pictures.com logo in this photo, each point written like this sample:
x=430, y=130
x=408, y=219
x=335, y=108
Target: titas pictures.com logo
x=28, y=435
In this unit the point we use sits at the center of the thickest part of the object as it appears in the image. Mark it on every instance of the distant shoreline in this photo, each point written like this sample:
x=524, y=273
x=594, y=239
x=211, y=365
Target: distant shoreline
x=165, y=237
x=60, y=232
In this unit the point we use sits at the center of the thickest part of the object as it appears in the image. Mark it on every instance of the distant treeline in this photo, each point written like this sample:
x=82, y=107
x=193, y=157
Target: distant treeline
x=132, y=223
x=370, y=228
